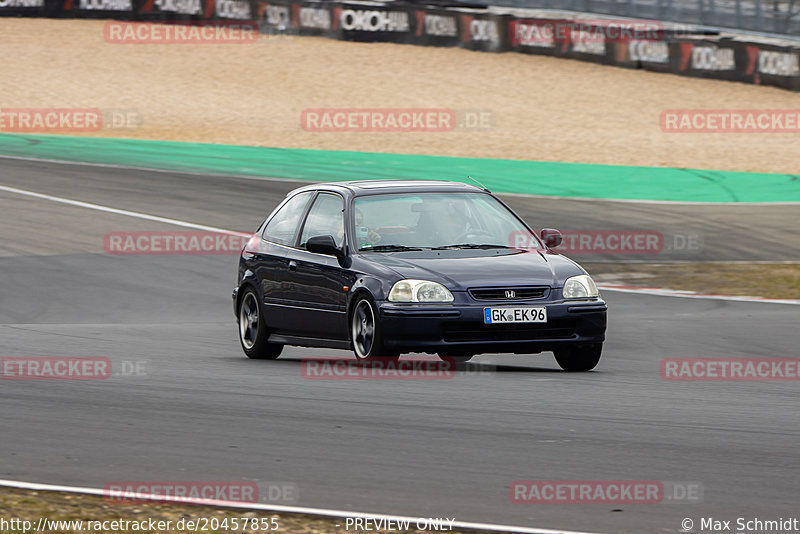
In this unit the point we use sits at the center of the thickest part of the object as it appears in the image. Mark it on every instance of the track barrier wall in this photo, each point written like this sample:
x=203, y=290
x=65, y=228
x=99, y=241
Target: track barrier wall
x=634, y=44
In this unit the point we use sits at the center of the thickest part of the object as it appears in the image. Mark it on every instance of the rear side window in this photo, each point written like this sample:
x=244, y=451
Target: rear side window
x=282, y=227
x=325, y=217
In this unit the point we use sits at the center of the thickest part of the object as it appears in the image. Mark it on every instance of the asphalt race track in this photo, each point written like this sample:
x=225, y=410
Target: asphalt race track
x=441, y=448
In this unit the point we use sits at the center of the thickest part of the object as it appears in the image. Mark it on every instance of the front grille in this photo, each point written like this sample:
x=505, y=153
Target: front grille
x=475, y=331
x=509, y=293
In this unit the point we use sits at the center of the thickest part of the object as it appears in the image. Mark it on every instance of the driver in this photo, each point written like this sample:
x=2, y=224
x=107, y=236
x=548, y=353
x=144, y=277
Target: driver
x=366, y=236
x=454, y=225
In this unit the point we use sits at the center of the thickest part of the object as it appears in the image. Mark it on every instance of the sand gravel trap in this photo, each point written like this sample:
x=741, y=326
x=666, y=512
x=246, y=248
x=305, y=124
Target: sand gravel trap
x=253, y=94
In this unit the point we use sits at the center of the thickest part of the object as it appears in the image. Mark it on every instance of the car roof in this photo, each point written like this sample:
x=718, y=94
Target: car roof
x=371, y=187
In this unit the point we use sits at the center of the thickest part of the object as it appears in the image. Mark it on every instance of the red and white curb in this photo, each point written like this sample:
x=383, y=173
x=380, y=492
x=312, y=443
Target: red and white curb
x=325, y=512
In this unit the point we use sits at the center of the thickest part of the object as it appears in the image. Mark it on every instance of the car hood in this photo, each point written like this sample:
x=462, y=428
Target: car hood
x=463, y=269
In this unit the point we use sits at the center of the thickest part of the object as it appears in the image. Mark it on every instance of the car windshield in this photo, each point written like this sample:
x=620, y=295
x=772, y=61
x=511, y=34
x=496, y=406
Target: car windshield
x=413, y=221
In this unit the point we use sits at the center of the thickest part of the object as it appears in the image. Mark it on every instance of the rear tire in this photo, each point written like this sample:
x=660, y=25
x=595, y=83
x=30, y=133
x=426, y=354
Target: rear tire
x=253, y=331
x=579, y=358
x=365, y=332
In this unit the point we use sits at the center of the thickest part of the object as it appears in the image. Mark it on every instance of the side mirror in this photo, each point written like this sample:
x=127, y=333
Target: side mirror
x=551, y=237
x=323, y=244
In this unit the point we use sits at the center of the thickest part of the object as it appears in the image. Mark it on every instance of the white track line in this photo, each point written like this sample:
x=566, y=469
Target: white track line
x=659, y=292
x=662, y=263
x=608, y=287
x=271, y=179
x=116, y=211
x=280, y=508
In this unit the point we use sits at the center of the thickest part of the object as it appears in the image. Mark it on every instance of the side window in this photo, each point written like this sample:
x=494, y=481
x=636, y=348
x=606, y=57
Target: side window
x=325, y=218
x=282, y=227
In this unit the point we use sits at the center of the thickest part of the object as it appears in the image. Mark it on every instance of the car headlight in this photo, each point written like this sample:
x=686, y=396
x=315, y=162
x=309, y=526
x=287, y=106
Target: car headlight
x=580, y=287
x=419, y=291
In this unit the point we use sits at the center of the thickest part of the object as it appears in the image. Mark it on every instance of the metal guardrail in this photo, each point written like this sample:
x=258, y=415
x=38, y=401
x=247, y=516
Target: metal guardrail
x=779, y=17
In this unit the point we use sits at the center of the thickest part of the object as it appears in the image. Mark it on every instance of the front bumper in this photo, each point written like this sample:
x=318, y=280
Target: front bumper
x=459, y=328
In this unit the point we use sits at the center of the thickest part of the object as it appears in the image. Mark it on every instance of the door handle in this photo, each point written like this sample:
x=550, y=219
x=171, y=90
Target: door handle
x=292, y=265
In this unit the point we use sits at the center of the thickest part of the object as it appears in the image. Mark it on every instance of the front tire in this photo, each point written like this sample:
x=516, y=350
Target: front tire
x=579, y=358
x=365, y=332
x=253, y=332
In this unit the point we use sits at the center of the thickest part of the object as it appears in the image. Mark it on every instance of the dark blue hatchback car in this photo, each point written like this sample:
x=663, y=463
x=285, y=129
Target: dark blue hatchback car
x=388, y=267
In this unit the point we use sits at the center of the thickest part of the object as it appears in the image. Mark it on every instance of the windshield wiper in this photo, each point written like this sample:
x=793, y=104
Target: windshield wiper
x=387, y=248
x=469, y=245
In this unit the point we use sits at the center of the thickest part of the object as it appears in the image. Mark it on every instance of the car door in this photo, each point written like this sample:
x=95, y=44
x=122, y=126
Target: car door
x=317, y=281
x=270, y=264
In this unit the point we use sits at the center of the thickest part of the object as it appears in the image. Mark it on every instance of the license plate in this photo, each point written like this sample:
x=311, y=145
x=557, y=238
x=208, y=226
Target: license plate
x=514, y=315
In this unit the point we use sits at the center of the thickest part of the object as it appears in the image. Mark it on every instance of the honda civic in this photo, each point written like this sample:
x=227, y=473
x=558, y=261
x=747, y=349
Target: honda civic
x=388, y=267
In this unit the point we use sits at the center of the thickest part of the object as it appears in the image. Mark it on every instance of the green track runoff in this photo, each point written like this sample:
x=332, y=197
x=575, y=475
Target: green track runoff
x=578, y=180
